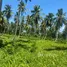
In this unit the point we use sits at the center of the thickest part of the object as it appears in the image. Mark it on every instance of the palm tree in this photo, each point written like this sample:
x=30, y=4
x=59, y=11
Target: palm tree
x=0, y=5
x=36, y=16
x=28, y=19
x=49, y=19
x=21, y=10
x=28, y=23
x=16, y=19
x=43, y=28
x=1, y=22
x=22, y=24
x=7, y=13
x=48, y=22
x=59, y=21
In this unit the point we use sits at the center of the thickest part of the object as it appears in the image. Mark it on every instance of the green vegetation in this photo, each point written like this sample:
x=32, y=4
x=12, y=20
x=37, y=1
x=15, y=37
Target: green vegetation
x=32, y=52
x=34, y=24
x=32, y=40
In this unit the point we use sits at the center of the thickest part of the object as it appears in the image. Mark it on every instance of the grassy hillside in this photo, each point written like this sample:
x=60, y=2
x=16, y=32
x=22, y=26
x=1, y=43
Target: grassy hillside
x=31, y=52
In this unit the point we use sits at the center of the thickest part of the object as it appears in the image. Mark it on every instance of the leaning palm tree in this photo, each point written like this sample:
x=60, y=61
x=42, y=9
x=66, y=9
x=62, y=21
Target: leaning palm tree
x=36, y=15
x=59, y=21
x=0, y=5
x=7, y=13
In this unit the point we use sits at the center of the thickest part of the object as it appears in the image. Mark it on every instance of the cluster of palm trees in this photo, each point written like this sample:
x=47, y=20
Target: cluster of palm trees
x=32, y=24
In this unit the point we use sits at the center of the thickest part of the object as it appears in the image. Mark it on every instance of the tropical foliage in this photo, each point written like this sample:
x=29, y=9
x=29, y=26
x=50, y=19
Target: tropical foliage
x=32, y=40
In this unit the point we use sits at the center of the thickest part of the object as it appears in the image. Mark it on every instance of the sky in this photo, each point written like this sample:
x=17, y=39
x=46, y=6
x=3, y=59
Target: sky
x=46, y=5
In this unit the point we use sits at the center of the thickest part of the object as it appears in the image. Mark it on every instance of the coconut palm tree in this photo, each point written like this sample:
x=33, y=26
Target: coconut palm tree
x=49, y=19
x=16, y=19
x=21, y=10
x=60, y=19
x=28, y=23
x=43, y=28
x=7, y=13
x=28, y=19
x=36, y=16
x=1, y=22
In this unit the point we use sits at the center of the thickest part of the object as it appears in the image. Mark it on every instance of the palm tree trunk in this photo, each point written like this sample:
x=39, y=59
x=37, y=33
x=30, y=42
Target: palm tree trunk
x=7, y=25
x=57, y=35
x=16, y=28
x=20, y=24
x=0, y=5
x=20, y=29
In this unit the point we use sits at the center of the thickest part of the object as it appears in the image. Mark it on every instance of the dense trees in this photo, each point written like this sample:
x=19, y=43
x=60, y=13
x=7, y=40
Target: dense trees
x=32, y=24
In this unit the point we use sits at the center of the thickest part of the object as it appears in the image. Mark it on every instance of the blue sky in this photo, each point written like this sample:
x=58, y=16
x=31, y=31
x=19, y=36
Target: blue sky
x=46, y=5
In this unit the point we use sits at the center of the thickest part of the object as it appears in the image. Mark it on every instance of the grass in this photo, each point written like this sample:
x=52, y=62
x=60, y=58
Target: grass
x=32, y=52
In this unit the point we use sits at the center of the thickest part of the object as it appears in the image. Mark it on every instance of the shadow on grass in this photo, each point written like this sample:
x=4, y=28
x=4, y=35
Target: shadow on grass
x=57, y=48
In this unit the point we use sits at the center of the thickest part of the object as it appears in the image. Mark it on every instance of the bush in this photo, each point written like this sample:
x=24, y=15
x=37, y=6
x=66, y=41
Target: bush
x=33, y=48
x=10, y=49
x=1, y=43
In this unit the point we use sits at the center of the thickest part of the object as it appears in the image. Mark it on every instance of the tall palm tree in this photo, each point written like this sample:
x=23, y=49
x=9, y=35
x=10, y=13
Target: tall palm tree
x=1, y=17
x=48, y=20
x=59, y=21
x=1, y=22
x=16, y=19
x=36, y=15
x=21, y=10
x=0, y=5
x=28, y=23
x=28, y=19
x=43, y=28
x=7, y=13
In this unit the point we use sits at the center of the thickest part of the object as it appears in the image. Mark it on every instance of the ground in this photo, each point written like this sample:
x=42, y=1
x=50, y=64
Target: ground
x=31, y=52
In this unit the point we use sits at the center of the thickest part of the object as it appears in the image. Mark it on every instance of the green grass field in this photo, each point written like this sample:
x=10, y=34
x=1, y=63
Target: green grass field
x=32, y=52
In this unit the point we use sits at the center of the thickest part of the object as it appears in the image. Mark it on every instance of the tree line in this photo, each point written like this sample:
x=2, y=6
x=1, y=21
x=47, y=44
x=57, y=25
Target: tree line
x=34, y=24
